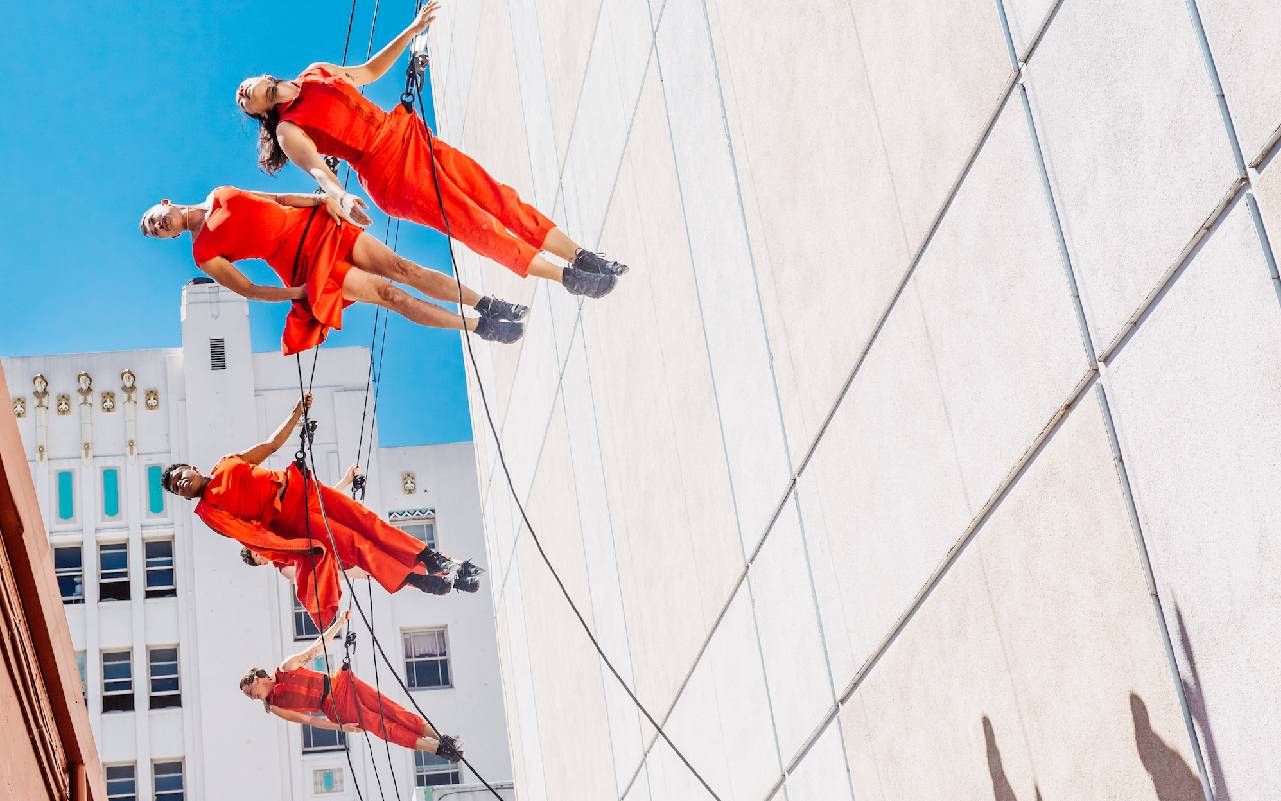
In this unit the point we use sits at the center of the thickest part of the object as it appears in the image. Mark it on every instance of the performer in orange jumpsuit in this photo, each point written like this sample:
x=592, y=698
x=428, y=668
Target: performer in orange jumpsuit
x=324, y=265
x=268, y=512
x=341, y=701
x=322, y=113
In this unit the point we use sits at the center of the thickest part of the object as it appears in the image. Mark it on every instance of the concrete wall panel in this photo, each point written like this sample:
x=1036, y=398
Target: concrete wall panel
x=722, y=263
x=566, y=29
x=937, y=71
x=1134, y=142
x=832, y=178
x=1028, y=356
x=823, y=775
x=884, y=490
x=1195, y=397
x=1242, y=36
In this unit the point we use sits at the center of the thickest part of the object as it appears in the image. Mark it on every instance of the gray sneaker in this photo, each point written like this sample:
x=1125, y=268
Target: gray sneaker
x=590, y=262
x=493, y=329
x=490, y=306
x=450, y=748
x=592, y=285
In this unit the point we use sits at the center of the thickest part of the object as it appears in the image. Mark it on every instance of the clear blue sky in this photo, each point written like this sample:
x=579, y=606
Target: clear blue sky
x=112, y=106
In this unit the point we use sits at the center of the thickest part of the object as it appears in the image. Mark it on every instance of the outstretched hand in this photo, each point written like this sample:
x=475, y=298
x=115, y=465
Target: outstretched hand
x=426, y=16
x=350, y=476
x=304, y=404
x=351, y=728
x=352, y=209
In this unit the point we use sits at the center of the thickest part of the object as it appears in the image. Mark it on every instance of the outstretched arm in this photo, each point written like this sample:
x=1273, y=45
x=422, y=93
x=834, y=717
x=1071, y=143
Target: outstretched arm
x=315, y=721
x=222, y=271
x=377, y=67
x=302, y=151
x=303, y=657
x=260, y=452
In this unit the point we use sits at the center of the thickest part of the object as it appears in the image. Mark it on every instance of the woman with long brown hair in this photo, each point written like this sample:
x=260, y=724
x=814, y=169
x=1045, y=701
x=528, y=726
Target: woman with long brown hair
x=322, y=113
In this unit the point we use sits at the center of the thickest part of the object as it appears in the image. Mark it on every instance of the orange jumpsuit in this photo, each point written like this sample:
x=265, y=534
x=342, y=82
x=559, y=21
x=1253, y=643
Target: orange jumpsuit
x=241, y=225
x=264, y=510
x=391, y=155
x=346, y=699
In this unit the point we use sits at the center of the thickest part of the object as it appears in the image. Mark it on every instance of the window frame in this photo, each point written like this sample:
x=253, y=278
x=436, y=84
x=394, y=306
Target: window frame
x=410, y=674
x=308, y=630
x=407, y=520
x=124, y=706
x=121, y=546
x=169, y=699
x=133, y=777
x=148, y=569
x=424, y=771
x=311, y=732
x=168, y=795
x=60, y=572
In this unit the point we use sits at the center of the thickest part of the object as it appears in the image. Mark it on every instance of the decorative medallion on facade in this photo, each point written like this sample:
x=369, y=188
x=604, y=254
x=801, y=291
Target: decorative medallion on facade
x=408, y=483
x=128, y=385
x=20, y=407
x=108, y=401
x=86, y=387
x=153, y=400
x=63, y=404
x=42, y=391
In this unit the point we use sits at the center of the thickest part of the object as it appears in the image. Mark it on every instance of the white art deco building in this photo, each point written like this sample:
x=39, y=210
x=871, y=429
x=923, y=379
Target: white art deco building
x=951, y=343
x=164, y=615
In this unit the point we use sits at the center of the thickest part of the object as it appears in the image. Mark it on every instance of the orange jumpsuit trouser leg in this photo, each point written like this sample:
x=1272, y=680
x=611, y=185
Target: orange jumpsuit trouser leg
x=495, y=197
x=363, y=539
x=354, y=701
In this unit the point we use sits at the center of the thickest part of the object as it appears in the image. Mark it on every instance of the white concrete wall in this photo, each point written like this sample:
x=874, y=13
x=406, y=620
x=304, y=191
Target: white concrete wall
x=952, y=330
x=226, y=616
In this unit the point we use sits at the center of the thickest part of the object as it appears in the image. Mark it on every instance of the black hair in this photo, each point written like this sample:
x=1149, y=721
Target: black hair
x=247, y=556
x=271, y=156
x=166, y=476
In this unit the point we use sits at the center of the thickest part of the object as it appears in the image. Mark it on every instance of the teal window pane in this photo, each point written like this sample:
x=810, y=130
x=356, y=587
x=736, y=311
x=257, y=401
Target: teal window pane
x=155, y=493
x=110, y=493
x=66, y=495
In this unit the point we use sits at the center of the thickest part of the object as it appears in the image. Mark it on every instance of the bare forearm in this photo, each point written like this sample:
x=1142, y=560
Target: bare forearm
x=297, y=200
x=286, y=428
x=271, y=294
x=384, y=59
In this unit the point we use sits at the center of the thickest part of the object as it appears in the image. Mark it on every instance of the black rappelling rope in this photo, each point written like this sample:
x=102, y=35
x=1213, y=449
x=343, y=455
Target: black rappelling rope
x=308, y=453
x=414, y=90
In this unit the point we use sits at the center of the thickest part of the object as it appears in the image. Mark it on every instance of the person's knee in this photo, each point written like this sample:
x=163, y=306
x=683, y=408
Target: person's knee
x=391, y=296
x=401, y=269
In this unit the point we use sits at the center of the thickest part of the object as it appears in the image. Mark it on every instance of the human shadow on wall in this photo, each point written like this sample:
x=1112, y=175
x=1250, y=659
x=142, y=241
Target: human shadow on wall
x=1195, y=693
x=1001, y=789
x=1172, y=779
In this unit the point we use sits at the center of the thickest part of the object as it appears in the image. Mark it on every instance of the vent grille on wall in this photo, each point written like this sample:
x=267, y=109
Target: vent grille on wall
x=218, y=354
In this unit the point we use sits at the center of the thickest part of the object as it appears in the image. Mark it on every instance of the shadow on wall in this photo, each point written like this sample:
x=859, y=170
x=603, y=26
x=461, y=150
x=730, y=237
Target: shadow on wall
x=1195, y=694
x=1172, y=778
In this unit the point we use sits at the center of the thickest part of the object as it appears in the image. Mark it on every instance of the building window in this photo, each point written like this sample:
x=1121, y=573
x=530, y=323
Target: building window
x=163, y=667
x=121, y=785
x=80, y=666
x=113, y=571
x=155, y=492
x=420, y=527
x=433, y=771
x=304, y=627
x=110, y=493
x=117, y=681
x=68, y=566
x=166, y=778
x=315, y=740
x=326, y=781
x=426, y=658
x=160, y=577
x=66, y=495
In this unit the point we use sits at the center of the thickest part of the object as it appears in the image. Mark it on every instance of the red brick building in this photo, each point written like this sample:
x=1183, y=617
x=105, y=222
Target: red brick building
x=48, y=750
